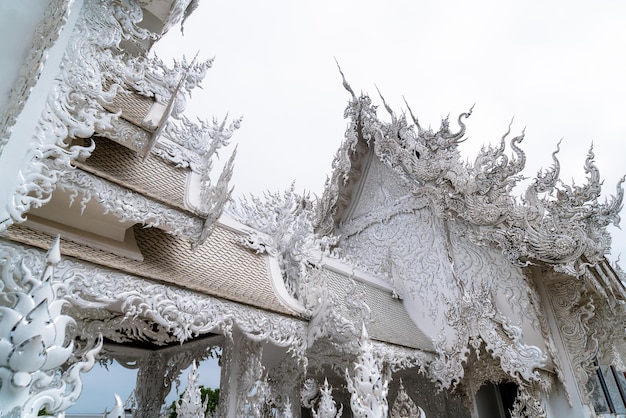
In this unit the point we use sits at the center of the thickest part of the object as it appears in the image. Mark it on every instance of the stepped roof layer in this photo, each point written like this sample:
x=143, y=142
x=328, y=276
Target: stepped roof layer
x=220, y=267
x=389, y=321
x=152, y=177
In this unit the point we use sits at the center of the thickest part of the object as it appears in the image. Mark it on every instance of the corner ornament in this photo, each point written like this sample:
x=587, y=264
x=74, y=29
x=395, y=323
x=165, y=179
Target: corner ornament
x=33, y=346
x=369, y=387
x=327, y=407
x=404, y=407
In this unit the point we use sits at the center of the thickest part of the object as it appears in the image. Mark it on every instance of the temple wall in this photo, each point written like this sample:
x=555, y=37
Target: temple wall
x=22, y=110
x=19, y=20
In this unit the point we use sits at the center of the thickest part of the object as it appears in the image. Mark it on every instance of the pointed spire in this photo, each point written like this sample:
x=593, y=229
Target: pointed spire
x=54, y=253
x=345, y=83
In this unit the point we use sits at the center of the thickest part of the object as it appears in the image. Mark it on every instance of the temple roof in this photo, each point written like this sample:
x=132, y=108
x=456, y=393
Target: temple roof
x=389, y=321
x=552, y=222
x=221, y=267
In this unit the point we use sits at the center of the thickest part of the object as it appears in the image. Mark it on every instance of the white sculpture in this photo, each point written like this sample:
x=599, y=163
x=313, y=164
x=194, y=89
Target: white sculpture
x=369, y=386
x=327, y=407
x=191, y=405
x=33, y=343
x=118, y=409
x=404, y=407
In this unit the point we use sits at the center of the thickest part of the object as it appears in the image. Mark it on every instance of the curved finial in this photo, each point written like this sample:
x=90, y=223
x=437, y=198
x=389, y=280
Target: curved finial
x=345, y=83
x=457, y=137
x=415, y=121
x=393, y=117
x=118, y=409
x=508, y=130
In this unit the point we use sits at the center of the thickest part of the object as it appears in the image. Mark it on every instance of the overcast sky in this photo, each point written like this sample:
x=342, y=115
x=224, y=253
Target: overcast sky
x=558, y=67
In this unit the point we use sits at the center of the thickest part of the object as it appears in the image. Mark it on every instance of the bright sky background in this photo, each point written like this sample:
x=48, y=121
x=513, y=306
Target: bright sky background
x=559, y=67
x=101, y=383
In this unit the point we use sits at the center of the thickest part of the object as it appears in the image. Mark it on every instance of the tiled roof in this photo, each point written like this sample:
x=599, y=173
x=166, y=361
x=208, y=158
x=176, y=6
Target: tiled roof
x=220, y=267
x=389, y=319
x=153, y=177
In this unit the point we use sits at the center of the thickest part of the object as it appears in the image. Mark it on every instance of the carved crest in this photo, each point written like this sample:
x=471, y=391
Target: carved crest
x=404, y=407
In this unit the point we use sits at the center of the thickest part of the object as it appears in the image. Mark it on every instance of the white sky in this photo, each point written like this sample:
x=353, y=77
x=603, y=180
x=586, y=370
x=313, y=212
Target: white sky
x=559, y=67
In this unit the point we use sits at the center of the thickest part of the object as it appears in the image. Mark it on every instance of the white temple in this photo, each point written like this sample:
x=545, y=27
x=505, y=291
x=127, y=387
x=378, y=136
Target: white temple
x=416, y=286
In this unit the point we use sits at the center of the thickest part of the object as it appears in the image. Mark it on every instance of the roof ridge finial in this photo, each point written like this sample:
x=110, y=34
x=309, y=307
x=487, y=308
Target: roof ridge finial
x=415, y=120
x=345, y=83
x=393, y=116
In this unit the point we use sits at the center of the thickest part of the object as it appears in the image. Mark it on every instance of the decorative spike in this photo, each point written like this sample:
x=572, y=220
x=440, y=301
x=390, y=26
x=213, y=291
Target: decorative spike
x=415, y=120
x=393, y=116
x=54, y=253
x=345, y=83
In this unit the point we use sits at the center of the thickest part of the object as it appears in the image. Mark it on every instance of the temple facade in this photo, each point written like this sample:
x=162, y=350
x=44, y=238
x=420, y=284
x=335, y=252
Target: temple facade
x=418, y=285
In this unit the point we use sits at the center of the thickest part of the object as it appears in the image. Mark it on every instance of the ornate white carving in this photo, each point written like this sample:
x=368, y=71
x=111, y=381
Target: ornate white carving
x=327, y=407
x=214, y=198
x=128, y=205
x=285, y=223
x=38, y=179
x=308, y=392
x=527, y=404
x=429, y=223
x=573, y=314
x=253, y=389
x=191, y=405
x=184, y=314
x=401, y=358
x=72, y=109
x=369, y=386
x=476, y=321
x=185, y=142
x=430, y=263
x=92, y=74
x=126, y=134
x=589, y=318
x=339, y=321
x=552, y=224
x=404, y=407
x=33, y=341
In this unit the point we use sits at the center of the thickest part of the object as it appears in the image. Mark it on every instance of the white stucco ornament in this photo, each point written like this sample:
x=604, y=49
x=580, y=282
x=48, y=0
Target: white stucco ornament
x=369, y=386
x=404, y=407
x=191, y=405
x=327, y=408
x=34, y=344
x=118, y=409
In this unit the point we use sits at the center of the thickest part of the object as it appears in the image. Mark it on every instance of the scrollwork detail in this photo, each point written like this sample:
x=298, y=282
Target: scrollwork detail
x=183, y=314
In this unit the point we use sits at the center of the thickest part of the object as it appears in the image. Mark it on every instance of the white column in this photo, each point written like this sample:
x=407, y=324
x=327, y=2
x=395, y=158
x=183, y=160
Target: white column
x=557, y=404
x=243, y=387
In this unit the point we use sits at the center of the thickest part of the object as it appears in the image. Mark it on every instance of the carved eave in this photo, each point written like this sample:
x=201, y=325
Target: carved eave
x=342, y=188
x=124, y=97
x=599, y=279
x=589, y=319
x=350, y=166
x=220, y=268
x=605, y=281
x=128, y=308
x=388, y=321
